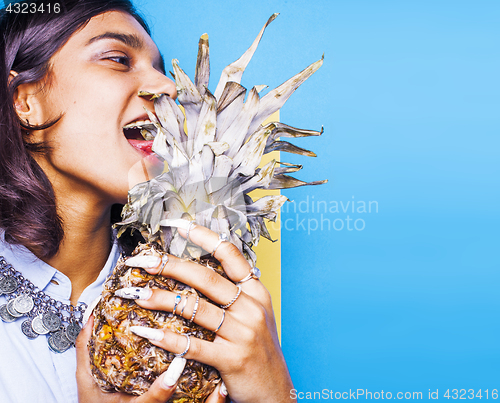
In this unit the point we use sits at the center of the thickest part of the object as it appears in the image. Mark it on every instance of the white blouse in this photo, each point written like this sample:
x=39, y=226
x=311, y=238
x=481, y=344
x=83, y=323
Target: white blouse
x=29, y=370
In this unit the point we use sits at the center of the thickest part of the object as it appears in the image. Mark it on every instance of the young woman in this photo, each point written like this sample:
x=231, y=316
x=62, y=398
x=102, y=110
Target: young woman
x=69, y=83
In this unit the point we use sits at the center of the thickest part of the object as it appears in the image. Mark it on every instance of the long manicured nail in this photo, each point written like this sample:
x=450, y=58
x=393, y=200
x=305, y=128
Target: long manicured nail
x=134, y=293
x=148, y=332
x=174, y=371
x=144, y=261
x=177, y=223
x=89, y=310
x=223, y=389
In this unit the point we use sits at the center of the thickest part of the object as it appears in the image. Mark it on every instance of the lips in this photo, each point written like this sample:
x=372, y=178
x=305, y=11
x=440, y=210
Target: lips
x=139, y=134
x=142, y=145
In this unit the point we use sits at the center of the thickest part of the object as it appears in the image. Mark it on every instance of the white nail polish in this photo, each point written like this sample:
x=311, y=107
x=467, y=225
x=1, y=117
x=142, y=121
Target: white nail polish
x=223, y=389
x=145, y=262
x=134, y=293
x=148, y=332
x=177, y=223
x=174, y=371
x=89, y=310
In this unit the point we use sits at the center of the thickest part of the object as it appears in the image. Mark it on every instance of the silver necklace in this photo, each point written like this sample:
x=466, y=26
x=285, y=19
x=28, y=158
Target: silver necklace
x=42, y=314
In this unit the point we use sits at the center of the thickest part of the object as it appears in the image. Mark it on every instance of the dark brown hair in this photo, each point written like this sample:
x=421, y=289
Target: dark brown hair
x=28, y=214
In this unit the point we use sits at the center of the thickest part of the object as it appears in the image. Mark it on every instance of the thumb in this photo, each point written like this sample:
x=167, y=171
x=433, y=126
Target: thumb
x=85, y=381
x=82, y=351
x=164, y=386
x=219, y=395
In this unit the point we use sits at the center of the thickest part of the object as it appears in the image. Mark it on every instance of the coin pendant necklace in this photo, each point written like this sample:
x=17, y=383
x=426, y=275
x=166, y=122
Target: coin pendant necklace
x=42, y=314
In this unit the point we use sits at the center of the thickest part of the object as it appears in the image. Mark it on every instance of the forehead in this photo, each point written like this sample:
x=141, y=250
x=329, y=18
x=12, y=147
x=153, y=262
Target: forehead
x=114, y=25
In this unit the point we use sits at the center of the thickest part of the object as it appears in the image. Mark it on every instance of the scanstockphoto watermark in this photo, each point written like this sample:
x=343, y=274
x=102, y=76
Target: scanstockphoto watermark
x=355, y=394
x=367, y=394
x=313, y=215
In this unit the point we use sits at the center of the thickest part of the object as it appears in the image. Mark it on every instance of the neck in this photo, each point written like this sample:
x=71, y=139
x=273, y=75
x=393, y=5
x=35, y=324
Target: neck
x=86, y=244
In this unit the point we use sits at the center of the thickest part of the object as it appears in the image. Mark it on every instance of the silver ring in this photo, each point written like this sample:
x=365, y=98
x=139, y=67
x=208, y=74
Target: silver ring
x=191, y=225
x=234, y=299
x=177, y=300
x=195, y=308
x=222, y=238
x=184, y=305
x=254, y=274
x=221, y=321
x=187, y=347
x=164, y=261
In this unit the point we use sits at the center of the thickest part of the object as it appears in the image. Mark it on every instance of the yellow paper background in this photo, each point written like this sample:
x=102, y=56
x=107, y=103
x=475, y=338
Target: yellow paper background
x=269, y=253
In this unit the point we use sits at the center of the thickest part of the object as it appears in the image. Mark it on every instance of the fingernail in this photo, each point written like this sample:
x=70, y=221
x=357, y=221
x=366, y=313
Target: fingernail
x=85, y=322
x=174, y=371
x=148, y=332
x=89, y=310
x=223, y=389
x=145, y=262
x=177, y=223
x=134, y=293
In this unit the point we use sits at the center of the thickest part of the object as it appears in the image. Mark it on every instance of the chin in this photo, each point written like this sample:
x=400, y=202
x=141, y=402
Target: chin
x=144, y=170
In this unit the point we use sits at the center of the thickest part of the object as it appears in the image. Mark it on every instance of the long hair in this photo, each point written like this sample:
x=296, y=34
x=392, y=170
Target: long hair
x=28, y=213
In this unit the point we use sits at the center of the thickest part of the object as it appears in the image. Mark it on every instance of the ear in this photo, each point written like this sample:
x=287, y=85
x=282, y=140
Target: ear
x=27, y=102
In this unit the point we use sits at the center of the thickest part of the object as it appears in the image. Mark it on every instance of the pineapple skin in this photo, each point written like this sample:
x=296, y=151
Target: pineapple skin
x=124, y=362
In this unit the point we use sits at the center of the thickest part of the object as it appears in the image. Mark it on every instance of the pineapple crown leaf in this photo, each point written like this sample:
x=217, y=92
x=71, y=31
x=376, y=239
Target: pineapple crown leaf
x=212, y=149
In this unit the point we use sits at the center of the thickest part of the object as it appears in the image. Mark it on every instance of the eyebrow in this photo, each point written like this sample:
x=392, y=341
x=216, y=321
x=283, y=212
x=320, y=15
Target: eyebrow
x=128, y=39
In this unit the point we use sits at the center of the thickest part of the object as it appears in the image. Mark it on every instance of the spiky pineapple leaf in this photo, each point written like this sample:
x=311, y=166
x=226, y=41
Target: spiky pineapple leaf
x=213, y=166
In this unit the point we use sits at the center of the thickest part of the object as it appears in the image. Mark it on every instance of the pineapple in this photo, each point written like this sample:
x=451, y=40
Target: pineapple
x=211, y=149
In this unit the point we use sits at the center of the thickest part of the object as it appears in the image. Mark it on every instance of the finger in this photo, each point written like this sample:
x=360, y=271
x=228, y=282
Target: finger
x=234, y=263
x=207, y=315
x=202, y=278
x=84, y=377
x=152, y=263
x=218, y=396
x=204, y=351
x=82, y=341
x=164, y=386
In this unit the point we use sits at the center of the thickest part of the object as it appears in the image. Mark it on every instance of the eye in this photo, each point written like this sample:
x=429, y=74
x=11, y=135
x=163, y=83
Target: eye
x=125, y=60
x=118, y=57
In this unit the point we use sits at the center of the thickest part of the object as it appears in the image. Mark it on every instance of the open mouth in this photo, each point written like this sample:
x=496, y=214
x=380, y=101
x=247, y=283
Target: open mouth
x=140, y=134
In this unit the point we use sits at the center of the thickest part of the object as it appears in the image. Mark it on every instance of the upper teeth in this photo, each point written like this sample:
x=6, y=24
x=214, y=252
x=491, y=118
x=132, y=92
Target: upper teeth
x=138, y=124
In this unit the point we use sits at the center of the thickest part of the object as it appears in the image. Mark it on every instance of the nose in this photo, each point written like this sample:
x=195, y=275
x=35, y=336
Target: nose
x=171, y=89
x=161, y=84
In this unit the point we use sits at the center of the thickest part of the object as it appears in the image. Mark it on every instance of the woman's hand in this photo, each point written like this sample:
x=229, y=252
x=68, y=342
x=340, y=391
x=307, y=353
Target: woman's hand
x=246, y=349
x=159, y=392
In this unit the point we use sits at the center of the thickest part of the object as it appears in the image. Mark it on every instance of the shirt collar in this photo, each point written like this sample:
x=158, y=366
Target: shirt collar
x=41, y=274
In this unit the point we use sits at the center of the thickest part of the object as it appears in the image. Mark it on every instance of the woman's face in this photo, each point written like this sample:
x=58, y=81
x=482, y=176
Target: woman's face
x=94, y=82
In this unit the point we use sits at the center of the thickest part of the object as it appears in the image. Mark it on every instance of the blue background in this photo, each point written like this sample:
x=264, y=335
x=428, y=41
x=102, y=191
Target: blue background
x=409, y=98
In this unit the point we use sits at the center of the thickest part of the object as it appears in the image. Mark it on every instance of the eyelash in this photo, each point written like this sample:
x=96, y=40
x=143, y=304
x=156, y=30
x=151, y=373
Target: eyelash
x=124, y=60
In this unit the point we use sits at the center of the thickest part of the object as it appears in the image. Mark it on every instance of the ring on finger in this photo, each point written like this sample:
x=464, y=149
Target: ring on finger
x=195, y=308
x=164, y=261
x=254, y=274
x=191, y=226
x=221, y=321
x=177, y=301
x=234, y=299
x=222, y=238
x=184, y=305
x=187, y=347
